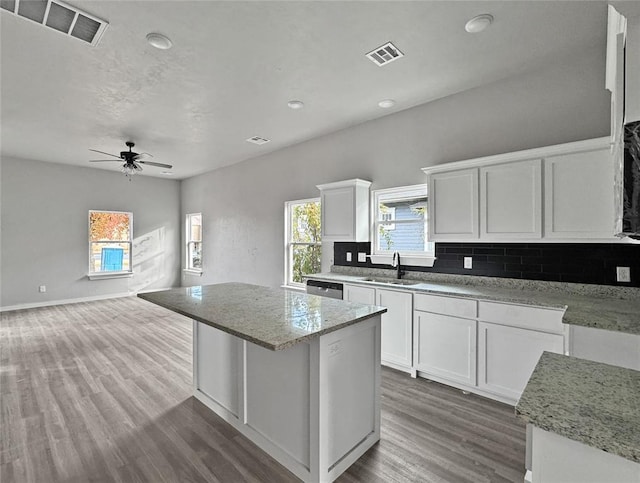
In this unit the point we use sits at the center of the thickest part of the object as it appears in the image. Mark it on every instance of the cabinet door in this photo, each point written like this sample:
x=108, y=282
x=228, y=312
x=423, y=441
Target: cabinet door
x=453, y=205
x=508, y=355
x=337, y=207
x=445, y=346
x=511, y=200
x=358, y=294
x=579, y=195
x=396, y=326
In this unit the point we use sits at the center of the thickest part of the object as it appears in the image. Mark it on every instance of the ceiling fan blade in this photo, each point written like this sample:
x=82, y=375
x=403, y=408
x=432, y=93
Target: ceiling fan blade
x=143, y=156
x=105, y=160
x=102, y=152
x=159, y=165
x=137, y=166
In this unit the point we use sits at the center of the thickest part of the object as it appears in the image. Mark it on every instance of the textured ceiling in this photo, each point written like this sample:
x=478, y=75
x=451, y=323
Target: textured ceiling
x=234, y=65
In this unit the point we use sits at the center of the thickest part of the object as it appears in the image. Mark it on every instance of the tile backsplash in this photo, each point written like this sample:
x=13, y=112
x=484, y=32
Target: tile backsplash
x=556, y=262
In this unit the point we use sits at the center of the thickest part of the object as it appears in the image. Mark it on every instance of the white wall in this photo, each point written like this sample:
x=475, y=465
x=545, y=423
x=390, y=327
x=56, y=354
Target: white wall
x=242, y=205
x=44, y=239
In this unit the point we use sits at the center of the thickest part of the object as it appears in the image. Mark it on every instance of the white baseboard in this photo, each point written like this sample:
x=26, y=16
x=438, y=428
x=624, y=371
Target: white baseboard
x=93, y=298
x=48, y=303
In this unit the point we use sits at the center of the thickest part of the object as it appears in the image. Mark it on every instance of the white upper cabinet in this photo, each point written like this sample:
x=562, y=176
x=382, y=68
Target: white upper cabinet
x=578, y=204
x=453, y=205
x=501, y=197
x=511, y=201
x=345, y=210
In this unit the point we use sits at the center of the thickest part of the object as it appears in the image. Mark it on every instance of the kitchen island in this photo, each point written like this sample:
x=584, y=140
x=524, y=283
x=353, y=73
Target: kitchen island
x=297, y=374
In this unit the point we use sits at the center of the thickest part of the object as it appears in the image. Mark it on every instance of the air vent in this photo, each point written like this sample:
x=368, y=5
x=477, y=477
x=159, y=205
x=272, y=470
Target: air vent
x=60, y=17
x=385, y=54
x=258, y=140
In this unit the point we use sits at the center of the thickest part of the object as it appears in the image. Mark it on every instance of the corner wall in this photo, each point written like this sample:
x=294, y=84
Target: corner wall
x=243, y=204
x=44, y=237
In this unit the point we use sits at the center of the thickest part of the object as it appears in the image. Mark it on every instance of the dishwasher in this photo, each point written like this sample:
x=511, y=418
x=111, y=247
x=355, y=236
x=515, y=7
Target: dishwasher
x=324, y=289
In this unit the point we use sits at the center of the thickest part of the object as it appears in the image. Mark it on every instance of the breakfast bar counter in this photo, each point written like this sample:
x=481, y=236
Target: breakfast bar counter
x=298, y=374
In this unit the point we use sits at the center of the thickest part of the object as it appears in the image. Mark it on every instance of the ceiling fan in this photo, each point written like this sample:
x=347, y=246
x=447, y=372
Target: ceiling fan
x=132, y=161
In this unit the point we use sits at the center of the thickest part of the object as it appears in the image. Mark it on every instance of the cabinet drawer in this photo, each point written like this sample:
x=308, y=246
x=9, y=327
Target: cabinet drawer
x=534, y=318
x=438, y=304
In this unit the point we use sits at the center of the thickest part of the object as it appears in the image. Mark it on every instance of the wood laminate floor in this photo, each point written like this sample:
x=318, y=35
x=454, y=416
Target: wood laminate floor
x=101, y=391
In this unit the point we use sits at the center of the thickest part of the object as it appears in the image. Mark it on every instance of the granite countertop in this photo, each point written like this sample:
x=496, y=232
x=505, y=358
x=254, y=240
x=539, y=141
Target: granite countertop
x=590, y=402
x=272, y=318
x=602, y=307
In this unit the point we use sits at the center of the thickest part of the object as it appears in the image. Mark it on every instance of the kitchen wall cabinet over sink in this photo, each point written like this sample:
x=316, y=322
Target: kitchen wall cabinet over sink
x=345, y=210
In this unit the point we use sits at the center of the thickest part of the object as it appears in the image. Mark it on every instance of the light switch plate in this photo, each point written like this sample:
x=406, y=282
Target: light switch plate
x=362, y=257
x=468, y=262
x=348, y=256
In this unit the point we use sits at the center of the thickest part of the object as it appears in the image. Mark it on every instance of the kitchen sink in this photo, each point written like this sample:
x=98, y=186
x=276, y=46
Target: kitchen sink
x=392, y=281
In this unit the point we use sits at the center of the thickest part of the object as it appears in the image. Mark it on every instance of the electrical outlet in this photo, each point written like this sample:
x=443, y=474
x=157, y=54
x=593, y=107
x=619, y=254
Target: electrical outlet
x=42, y=288
x=623, y=274
x=362, y=257
x=468, y=262
x=348, y=256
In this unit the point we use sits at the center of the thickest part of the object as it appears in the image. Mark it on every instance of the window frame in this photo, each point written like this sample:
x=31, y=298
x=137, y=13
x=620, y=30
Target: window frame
x=407, y=257
x=93, y=275
x=288, y=244
x=188, y=265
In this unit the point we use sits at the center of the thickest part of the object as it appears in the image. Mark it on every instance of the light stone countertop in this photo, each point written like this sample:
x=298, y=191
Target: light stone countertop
x=590, y=402
x=598, y=306
x=272, y=318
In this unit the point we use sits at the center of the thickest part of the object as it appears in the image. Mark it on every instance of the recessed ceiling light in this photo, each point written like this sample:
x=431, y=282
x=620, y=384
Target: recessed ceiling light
x=295, y=104
x=387, y=103
x=479, y=23
x=159, y=41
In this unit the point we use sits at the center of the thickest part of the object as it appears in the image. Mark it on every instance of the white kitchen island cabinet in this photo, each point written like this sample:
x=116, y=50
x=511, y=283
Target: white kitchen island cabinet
x=297, y=374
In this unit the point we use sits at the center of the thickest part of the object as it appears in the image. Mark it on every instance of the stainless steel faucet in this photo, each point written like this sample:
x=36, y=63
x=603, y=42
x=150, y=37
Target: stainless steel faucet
x=396, y=263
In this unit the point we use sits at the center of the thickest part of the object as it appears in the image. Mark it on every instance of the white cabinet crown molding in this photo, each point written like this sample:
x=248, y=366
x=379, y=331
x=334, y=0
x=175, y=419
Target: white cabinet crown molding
x=345, y=184
x=535, y=153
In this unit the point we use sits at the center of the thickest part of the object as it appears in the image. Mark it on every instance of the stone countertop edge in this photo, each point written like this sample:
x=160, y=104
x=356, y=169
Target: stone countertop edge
x=151, y=297
x=604, y=311
x=589, y=402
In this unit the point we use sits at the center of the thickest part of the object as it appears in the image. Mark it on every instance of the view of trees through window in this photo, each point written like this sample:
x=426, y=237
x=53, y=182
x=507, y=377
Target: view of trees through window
x=110, y=241
x=304, y=249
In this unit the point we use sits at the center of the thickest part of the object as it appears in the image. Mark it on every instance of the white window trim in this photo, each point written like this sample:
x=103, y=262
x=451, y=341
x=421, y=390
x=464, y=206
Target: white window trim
x=187, y=226
x=287, y=236
x=91, y=275
x=424, y=259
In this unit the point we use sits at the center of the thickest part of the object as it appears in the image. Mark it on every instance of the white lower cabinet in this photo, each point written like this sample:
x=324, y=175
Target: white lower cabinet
x=445, y=347
x=508, y=355
x=396, y=333
x=396, y=339
x=489, y=348
x=359, y=294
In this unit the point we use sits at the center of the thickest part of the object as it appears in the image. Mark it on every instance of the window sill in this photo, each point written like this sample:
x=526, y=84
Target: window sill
x=107, y=275
x=193, y=273
x=413, y=261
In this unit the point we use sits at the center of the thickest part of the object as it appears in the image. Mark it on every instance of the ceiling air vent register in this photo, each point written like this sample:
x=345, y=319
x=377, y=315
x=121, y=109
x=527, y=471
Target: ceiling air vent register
x=59, y=16
x=385, y=54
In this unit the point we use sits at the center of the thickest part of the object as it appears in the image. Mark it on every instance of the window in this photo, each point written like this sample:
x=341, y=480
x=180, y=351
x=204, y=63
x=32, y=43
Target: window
x=406, y=208
x=110, y=242
x=194, y=242
x=303, y=251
